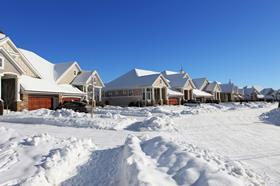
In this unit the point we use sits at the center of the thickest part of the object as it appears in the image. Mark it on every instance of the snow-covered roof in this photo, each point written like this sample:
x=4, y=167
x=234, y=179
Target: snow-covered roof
x=43, y=85
x=249, y=91
x=47, y=82
x=172, y=93
x=268, y=91
x=199, y=82
x=198, y=93
x=228, y=88
x=61, y=68
x=176, y=80
x=82, y=78
x=136, y=78
x=211, y=86
x=44, y=67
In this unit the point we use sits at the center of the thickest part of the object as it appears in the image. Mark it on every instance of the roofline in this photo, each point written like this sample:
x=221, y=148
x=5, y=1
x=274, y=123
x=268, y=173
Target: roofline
x=95, y=72
x=33, y=69
x=12, y=59
x=63, y=74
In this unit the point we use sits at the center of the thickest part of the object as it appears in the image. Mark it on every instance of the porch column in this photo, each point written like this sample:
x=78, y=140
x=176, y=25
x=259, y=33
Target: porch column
x=160, y=96
x=86, y=91
x=100, y=95
x=1, y=87
x=17, y=92
x=93, y=93
x=183, y=92
x=153, y=96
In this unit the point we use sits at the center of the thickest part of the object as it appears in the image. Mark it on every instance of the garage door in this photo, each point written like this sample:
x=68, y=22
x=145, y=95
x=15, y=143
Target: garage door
x=38, y=102
x=173, y=101
x=68, y=99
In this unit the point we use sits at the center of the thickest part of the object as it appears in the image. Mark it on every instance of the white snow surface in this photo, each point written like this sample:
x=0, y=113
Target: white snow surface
x=225, y=144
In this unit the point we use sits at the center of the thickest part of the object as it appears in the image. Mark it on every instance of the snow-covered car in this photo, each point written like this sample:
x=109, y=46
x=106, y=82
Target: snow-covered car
x=192, y=103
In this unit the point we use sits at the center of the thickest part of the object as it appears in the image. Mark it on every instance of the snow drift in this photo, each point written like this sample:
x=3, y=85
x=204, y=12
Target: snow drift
x=159, y=162
x=272, y=116
x=69, y=118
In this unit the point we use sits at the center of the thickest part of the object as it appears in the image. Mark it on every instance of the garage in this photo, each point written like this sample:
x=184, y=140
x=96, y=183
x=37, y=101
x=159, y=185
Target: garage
x=38, y=102
x=173, y=101
x=70, y=99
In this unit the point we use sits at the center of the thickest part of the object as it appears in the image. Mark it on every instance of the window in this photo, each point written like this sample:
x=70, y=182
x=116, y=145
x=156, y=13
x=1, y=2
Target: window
x=75, y=72
x=1, y=62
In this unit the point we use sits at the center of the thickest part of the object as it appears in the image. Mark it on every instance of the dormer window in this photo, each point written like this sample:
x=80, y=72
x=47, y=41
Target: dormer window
x=1, y=62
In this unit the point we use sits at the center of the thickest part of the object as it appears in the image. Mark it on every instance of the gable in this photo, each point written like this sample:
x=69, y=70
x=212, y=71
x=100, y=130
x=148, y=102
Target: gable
x=9, y=66
x=160, y=82
x=98, y=81
x=69, y=75
x=21, y=61
x=189, y=85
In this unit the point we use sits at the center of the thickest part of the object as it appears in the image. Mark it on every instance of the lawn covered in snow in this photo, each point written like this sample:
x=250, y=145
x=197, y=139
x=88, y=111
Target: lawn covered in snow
x=226, y=144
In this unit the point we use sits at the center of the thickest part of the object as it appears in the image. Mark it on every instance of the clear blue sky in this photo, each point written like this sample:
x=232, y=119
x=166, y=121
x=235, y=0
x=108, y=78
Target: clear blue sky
x=218, y=39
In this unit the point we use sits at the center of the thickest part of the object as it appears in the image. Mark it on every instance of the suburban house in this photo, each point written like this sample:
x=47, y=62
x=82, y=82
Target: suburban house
x=253, y=94
x=231, y=92
x=269, y=94
x=137, y=87
x=206, y=91
x=90, y=83
x=29, y=81
x=180, y=82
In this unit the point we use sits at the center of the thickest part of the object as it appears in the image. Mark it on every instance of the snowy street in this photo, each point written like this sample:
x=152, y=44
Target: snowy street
x=225, y=144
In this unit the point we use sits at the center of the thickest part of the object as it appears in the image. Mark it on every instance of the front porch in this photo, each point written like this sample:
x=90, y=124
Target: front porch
x=155, y=96
x=10, y=92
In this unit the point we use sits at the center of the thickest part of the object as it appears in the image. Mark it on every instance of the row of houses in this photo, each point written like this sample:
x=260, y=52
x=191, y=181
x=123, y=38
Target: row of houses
x=28, y=81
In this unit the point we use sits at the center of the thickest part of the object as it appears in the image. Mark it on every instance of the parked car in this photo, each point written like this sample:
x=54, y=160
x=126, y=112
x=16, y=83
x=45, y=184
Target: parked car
x=73, y=105
x=192, y=103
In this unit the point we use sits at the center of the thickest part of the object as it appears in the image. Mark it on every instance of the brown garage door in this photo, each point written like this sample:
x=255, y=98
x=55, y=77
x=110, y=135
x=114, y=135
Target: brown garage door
x=38, y=102
x=173, y=101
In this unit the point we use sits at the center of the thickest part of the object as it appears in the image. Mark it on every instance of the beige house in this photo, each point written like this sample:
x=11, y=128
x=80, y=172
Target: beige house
x=137, y=87
x=231, y=93
x=207, y=91
x=180, y=82
x=28, y=81
x=90, y=83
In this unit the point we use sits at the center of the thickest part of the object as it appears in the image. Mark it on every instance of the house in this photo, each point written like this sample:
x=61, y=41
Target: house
x=181, y=83
x=231, y=92
x=206, y=91
x=90, y=83
x=29, y=81
x=253, y=94
x=269, y=94
x=137, y=87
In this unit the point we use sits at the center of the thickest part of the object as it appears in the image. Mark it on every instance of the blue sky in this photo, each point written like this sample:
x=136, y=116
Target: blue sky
x=218, y=39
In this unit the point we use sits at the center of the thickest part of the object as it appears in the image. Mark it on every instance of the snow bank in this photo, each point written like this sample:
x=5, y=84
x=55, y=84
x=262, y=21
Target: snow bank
x=69, y=118
x=159, y=162
x=193, y=166
x=159, y=123
x=272, y=116
x=61, y=163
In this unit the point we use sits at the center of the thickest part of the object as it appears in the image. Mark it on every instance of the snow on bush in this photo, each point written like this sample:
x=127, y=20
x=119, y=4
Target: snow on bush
x=272, y=116
x=69, y=118
x=159, y=123
x=61, y=163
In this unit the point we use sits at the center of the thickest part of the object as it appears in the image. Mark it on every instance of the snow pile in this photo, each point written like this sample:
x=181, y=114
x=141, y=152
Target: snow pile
x=69, y=118
x=61, y=163
x=159, y=123
x=125, y=111
x=159, y=162
x=272, y=116
x=8, y=149
x=37, y=139
x=193, y=166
